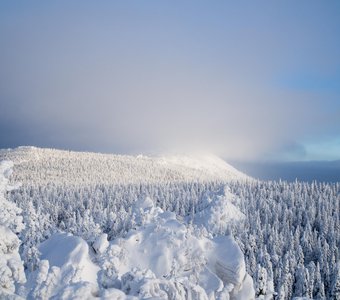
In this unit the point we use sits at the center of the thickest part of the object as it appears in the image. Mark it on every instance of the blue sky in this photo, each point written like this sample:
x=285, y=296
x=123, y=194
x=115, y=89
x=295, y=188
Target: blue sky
x=246, y=80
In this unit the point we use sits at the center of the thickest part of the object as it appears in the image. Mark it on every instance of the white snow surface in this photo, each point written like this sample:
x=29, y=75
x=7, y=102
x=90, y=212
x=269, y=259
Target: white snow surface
x=163, y=256
x=11, y=268
x=219, y=213
x=33, y=164
x=179, y=259
x=71, y=255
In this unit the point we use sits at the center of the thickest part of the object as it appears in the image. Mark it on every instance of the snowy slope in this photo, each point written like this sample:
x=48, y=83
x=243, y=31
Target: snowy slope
x=106, y=213
x=82, y=168
x=162, y=256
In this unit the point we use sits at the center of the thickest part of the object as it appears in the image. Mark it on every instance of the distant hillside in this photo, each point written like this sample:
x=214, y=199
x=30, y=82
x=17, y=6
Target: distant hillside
x=82, y=168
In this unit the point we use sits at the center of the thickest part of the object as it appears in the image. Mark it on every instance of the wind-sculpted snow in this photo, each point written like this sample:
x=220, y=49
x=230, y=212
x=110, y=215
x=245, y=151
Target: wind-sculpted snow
x=65, y=270
x=160, y=258
x=169, y=259
x=222, y=208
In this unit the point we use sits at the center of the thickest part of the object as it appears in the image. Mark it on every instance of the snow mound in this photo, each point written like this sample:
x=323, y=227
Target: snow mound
x=65, y=271
x=163, y=258
x=71, y=255
x=219, y=213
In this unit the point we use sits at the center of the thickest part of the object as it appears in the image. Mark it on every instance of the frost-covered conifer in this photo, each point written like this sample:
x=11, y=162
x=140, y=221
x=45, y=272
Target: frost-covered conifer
x=11, y=268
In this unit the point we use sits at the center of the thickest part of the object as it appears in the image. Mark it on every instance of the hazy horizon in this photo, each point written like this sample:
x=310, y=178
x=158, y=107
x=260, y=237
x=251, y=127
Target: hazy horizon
x=307, y=171
x=247, y=82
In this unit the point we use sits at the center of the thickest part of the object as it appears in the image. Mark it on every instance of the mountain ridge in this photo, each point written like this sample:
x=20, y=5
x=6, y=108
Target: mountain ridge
x=72, y=167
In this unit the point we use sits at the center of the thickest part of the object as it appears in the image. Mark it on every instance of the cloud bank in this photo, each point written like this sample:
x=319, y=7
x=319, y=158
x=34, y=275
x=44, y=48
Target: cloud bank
x=133, y=78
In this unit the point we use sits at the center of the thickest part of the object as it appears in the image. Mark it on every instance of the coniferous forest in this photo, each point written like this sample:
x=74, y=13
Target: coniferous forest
x=290, y=233
x=290, y=238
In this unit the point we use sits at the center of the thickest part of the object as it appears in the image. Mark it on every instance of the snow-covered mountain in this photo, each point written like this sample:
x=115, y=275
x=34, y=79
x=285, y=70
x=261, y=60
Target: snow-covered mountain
x=86, y=225
x=152, y=254
x=83, y=168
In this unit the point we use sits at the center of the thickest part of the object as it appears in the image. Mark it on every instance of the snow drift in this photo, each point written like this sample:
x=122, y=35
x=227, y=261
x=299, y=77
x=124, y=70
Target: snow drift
x=160, y=258
x=169, y=259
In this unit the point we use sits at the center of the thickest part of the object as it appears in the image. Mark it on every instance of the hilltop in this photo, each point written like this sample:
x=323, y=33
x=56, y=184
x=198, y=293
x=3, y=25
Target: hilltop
x=43, y=166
